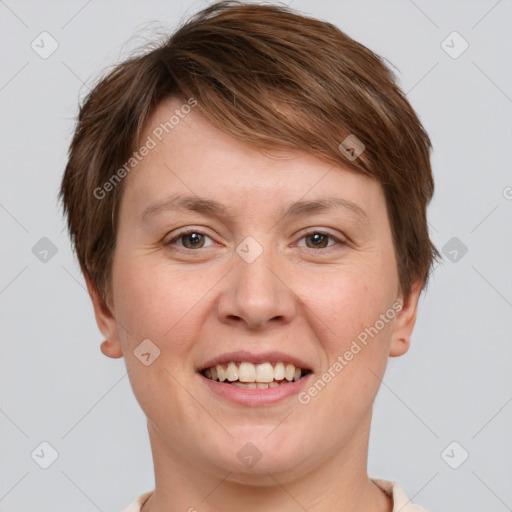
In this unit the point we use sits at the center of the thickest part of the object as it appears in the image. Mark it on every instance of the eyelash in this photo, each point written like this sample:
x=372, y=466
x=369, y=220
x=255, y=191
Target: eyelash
x=305, y=235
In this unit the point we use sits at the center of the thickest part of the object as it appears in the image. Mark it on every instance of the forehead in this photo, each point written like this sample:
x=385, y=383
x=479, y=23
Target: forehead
x=189, y=156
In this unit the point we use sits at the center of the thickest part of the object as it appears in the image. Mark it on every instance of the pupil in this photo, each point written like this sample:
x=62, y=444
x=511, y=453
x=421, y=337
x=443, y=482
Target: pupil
x=194, y=238
x=317, y=238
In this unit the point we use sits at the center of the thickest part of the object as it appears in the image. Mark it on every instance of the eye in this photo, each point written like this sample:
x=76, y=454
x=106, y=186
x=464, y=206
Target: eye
x=191, y=239
x=319, y=240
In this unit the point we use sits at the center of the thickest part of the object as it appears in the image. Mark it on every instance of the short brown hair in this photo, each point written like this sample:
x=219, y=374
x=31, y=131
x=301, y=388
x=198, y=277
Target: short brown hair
x=269, y=77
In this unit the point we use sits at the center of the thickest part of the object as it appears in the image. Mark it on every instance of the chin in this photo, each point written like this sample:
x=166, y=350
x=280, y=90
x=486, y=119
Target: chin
x=254, y=451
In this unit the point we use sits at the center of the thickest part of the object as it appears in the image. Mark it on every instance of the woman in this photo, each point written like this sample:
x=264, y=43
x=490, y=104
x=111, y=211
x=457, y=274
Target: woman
x=247, y=202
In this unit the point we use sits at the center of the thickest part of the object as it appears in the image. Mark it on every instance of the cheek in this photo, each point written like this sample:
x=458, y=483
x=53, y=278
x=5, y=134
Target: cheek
x=347, y=299
x=157, y=300
x=153, y=301
x=347, y=306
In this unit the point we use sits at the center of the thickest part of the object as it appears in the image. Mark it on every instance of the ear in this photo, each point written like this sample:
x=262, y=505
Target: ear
x=404, y=322
x=107, y=324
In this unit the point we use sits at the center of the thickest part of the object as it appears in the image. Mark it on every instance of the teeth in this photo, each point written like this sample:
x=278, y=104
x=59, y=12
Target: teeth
x=221, y=374
x=279, y=371
x=232, y=372
x=289, y=372
x=248, y=385
x=247, y=372
x=260, y=376
x=264, y=373
x=256, y=385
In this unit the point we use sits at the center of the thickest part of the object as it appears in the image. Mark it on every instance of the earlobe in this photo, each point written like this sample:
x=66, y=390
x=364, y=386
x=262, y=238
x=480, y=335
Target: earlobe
x=111, y=349
x=404, y=322
x=107, y=324
x=399, y=346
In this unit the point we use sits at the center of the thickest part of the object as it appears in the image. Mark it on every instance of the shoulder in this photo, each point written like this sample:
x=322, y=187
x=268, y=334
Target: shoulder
x=136, y=504
x=400, y=500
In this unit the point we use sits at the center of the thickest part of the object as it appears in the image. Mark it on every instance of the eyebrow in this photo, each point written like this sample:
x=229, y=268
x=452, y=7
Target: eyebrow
x=214, y=208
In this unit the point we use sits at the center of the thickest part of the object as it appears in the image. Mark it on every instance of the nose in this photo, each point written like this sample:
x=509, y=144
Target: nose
x=257, y=294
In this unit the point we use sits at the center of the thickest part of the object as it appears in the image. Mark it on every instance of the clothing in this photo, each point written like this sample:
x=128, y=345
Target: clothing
x=137, y=503
x=400, y=501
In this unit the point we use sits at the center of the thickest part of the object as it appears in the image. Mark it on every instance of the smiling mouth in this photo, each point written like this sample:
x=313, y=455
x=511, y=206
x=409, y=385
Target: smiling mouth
x=247, y=375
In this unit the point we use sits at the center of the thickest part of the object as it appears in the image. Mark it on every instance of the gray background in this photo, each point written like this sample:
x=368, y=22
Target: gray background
x=455, y=383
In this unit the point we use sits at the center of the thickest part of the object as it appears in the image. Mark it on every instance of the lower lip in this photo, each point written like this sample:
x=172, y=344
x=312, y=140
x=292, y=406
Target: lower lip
x=256, y=397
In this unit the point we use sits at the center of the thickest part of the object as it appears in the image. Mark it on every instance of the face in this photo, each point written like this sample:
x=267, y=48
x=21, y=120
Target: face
x=254, y=271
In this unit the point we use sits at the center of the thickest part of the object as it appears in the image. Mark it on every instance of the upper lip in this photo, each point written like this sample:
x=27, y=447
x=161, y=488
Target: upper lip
x=250, y=357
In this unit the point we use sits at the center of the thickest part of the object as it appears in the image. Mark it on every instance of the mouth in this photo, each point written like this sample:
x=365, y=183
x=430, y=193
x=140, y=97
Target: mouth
x=265, y=375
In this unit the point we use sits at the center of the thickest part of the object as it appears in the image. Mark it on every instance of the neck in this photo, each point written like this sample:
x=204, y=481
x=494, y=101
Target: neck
x=339, y=484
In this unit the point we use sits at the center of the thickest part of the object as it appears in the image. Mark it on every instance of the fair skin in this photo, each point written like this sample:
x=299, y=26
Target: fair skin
x=307, y=297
